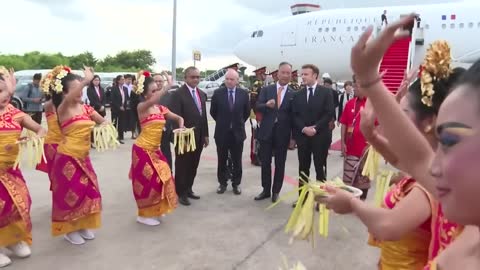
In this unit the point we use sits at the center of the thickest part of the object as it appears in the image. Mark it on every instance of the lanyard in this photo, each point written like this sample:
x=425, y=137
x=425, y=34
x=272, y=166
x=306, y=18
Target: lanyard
x=356, y=113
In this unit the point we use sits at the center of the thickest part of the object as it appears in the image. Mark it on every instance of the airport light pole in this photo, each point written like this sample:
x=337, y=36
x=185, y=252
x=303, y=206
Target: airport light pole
x=174, y=42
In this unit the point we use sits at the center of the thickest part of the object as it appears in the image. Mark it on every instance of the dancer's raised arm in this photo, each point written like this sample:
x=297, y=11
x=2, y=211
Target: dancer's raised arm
x=405, y=140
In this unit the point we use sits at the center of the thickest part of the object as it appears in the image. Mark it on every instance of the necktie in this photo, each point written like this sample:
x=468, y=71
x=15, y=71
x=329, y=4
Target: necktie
x=230, y=99
x=194, y=96
x=310, y=94
x=279, y=96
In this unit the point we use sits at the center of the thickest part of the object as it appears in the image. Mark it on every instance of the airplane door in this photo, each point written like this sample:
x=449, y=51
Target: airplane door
x=289, y=37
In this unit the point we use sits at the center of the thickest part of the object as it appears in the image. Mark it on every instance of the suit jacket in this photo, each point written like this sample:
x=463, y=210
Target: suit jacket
x=317, y=112
x=342, y=102
x=227, y=119
x=335, y=102
x=282, y=115
x=116, y=97
x=96, y=101
x=182, y=104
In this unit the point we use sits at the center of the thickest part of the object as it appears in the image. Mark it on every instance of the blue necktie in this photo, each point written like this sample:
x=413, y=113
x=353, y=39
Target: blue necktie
x=230, y=99
x=194, y=96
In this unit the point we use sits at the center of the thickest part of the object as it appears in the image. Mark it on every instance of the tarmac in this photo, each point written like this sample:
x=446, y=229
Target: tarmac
x=217, y=232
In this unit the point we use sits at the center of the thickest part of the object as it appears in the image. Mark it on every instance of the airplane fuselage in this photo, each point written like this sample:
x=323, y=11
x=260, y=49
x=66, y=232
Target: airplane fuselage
x=325, y=38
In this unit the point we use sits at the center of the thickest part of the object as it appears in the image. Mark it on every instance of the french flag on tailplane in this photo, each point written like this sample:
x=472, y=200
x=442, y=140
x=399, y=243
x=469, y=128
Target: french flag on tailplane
x=452, y=17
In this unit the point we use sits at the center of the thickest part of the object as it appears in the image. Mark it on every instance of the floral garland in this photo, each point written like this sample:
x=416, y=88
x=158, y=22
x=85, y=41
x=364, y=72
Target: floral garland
x=53, y=80
x=138, y=88
x=436, y=66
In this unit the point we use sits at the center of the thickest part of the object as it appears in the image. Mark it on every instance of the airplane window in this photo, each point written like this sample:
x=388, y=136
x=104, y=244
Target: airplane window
x=452, y=25
x=356, y=28
x=364, y=28
x=427, y=26
x=326, y=29
x=462, y=25
x=349, y=28
x=320, y=30
x=260, y=33
x=444, y=26
x=470, y=24
x=479, y=24
x=334, y=29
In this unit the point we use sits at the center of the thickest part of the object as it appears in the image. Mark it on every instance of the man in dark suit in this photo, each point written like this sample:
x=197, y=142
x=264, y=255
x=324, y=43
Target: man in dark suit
x=274, y=134
x=96, y=96
x=230, y=108
x=313, y=109
x=119, y=105
x=189, y=102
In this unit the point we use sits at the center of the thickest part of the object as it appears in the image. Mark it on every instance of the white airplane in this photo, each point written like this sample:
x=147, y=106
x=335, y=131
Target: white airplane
x=325, y=37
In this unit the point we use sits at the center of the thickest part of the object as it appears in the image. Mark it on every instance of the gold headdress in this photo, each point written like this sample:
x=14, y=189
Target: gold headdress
x=53, y=80
x=138, y=88
x=4, y=71
x=436, y=66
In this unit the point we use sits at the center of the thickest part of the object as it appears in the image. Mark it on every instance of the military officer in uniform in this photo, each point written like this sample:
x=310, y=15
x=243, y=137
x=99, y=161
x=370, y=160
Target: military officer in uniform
x=255, y=116
x=274, y=76
x=294, y=83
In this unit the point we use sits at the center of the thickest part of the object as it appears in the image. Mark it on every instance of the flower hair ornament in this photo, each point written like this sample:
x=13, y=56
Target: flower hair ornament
x=138, y=88
x=45, y=83
x=53, y=80
x=436, y=66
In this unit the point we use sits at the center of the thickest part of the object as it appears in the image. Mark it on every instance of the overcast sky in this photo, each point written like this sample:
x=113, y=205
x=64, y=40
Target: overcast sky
x=108, y=26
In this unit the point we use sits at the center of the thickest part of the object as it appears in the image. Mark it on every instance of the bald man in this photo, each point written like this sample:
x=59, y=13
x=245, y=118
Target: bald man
x=230, y=107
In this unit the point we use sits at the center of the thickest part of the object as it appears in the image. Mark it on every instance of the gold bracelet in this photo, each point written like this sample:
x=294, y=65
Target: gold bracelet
x=372, y=83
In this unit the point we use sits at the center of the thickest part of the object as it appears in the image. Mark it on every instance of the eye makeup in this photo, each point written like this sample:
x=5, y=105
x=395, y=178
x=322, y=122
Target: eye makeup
x=449, y=134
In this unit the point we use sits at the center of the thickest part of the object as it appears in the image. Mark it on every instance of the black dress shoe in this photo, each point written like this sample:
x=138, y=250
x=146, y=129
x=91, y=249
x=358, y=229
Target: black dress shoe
x=221, y=189
x=262, y=196
x=193, y=196
x=237, y=190
x=184, y=201
x=275, y=197
x=121, y=141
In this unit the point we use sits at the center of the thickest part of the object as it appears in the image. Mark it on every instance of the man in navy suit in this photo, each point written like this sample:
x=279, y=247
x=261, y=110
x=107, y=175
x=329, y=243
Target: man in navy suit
x=230, y=109
x=313, y=110
x=274, y=134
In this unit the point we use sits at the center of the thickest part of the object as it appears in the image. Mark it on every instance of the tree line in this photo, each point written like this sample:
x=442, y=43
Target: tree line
x=124, y=61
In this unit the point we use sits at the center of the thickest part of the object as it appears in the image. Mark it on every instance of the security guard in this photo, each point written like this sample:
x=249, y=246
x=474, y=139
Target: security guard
x=255, y=116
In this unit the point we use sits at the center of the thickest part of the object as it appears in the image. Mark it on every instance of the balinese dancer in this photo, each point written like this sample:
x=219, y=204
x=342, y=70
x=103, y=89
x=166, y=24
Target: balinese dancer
x=75, y=191
x=54, y=134
x=404, y=227
x=15, y=202
x=152, y=180
x=255, y=116
x=451, y=171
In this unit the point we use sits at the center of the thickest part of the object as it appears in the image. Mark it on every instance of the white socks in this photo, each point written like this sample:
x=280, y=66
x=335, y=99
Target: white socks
x=148, y=221
x=4, y=260
x=20, y=250
x=79, y=237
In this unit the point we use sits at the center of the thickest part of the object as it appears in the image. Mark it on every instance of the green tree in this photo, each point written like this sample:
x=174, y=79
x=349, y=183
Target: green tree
x=86, y=58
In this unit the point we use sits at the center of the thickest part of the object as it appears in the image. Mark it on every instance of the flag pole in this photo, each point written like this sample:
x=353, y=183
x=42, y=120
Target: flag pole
x=174, y=42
